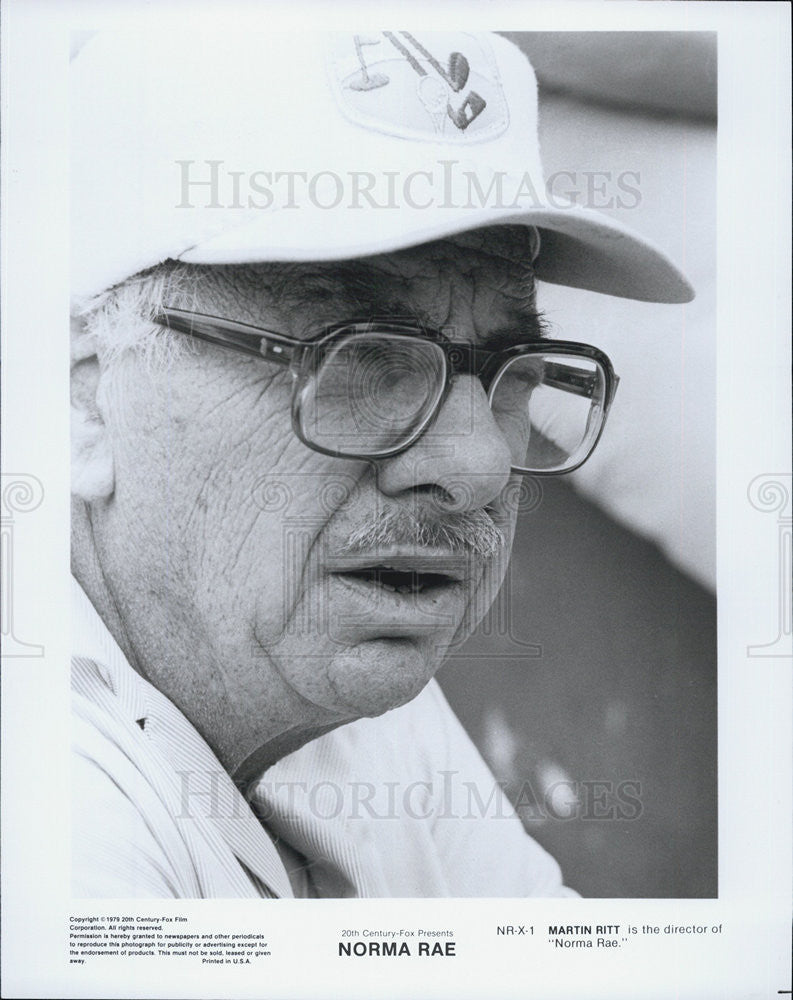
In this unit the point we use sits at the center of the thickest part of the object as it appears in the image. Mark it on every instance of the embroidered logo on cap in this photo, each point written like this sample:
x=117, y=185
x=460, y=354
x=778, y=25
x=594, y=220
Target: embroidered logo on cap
x=435, y=85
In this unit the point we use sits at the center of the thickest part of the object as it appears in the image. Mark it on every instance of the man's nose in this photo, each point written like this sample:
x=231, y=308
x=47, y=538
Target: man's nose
x=462, y=462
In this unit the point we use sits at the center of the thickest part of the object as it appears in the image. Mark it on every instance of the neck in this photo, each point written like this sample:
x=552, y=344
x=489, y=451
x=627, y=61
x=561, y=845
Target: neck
x=87, y=570
x=250, y=770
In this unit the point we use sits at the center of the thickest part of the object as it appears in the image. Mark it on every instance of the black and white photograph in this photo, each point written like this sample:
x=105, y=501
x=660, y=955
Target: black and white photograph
x=318, y=409
x=409, y=448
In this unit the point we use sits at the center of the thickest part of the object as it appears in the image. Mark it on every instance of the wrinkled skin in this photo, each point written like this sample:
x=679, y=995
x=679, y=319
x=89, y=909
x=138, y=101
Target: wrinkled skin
x=211, y=554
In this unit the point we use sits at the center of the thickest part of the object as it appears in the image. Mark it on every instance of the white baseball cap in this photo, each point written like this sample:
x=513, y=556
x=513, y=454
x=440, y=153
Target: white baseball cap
x=315, y=146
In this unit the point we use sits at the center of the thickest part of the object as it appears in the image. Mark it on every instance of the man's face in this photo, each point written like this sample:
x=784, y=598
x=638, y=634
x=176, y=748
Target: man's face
x=230, y=546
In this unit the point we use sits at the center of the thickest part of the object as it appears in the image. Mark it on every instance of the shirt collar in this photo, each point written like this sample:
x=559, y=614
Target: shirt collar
x=92, y=640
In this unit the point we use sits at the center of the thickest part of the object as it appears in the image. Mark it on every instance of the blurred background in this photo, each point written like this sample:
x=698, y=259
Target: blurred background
x=591, y=687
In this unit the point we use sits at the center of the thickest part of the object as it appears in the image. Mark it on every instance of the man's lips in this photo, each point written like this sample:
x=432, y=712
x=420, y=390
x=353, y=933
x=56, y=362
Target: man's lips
x=406, y=573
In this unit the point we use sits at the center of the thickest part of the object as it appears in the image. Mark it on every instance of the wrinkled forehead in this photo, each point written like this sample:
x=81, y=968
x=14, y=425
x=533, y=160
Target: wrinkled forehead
x=426, y=281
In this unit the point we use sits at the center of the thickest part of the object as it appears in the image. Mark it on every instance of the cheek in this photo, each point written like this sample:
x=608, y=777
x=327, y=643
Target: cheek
x=252, y=528
x=197, y=467
x=259, y=551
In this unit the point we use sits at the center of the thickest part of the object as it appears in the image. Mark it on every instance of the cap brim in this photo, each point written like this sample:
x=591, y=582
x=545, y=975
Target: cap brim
x=580, y=247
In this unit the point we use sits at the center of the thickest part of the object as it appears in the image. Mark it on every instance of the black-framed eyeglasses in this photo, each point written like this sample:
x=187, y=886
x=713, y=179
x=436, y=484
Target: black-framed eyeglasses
x=369, y=389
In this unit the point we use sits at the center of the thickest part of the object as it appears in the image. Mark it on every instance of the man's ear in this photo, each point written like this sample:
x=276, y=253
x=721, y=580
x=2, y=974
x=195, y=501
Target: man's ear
x=92, y=456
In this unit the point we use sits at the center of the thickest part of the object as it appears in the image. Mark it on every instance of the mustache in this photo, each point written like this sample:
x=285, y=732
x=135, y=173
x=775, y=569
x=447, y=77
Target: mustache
x=471, y=532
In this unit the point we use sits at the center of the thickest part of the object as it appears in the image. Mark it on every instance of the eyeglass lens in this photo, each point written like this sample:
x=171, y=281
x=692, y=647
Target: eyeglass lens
x=368, y=394
x=550, y=408
x=371, y=393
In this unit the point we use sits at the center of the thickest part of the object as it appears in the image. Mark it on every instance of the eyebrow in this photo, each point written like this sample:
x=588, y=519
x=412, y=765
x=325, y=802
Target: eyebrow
x=356, y=286
x=528, y=326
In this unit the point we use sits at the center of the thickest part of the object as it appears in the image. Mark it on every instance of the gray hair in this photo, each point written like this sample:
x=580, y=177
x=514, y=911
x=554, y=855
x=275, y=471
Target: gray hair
x=121, y=319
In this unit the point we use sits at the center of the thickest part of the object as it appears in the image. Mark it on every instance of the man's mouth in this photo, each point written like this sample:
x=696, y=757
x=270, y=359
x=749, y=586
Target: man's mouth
x=398, y=580
x=407, y=575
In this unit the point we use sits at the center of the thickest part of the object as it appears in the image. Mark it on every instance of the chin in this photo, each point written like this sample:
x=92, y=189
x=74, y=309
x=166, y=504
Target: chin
x=378, y=675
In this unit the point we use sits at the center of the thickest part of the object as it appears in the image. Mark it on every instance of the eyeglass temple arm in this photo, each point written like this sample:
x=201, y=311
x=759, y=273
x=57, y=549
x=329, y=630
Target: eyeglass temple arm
x=579, y=381
x=226, y=333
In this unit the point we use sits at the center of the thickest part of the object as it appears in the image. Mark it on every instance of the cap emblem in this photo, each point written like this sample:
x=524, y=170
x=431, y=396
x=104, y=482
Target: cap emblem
x=443, y=86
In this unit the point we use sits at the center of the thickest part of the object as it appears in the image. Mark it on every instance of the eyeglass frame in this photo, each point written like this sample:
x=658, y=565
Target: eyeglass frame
x=270, y=345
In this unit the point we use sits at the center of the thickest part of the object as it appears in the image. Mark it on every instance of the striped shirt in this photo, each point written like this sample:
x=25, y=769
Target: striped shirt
x=399, y=806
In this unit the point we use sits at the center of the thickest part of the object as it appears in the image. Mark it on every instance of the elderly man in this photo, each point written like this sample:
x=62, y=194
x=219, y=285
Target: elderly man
x=308, y=372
